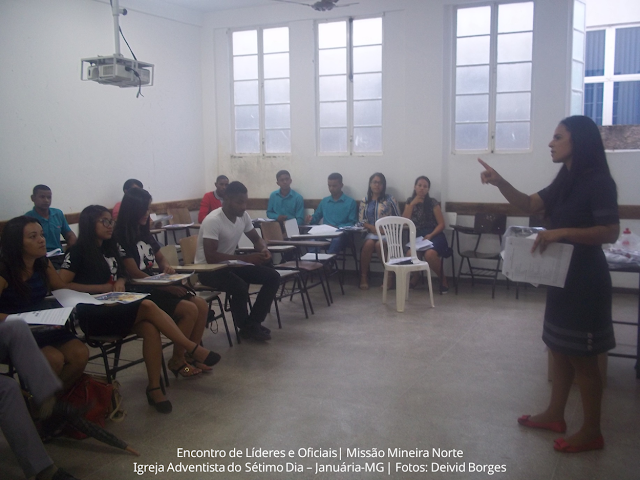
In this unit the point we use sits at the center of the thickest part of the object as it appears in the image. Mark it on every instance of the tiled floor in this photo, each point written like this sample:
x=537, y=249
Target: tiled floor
x=360, y=375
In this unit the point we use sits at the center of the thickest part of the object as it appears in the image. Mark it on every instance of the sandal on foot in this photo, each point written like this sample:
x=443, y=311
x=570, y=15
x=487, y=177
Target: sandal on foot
x=558, y=427
x=162, y=407
x=561, y=445
x=185, y=370
x=211, y=359
x=197, y=364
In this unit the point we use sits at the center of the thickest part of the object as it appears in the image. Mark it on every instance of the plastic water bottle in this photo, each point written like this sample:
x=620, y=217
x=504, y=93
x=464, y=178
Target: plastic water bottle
x=625, y=238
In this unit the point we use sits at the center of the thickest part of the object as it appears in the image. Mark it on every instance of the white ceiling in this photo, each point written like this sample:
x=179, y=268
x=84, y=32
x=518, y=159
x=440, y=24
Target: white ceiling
x=215, y=5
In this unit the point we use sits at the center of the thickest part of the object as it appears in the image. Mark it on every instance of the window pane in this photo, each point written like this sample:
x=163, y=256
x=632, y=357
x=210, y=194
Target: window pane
x=333, y=88
x=245, y=43
x=472, y=50
x=579, y=16
x=576, y=103
x=593, y=95
x=275, y=40
x=578, y=45
x=368, y=85
x=277, y=141
x=367, y=113
x=514, y=47
x=472, y=108
x=333, y=114
x=472, y=79
x=367, y=31
x=627, y=60
x=333, y=140
x=513, y=106
x=277, y=116
x=513, y=77
x=367, y=59
x=245, y=68
x=626, y=103
x=472, y=137
x=331, y=35
x=247, y=117
x=576, y=75
x=247, y=141
x=515, y=17
x=512, y=136
x=332, y=61
x=473, y=21
x=366, y=140
x=276, y=65
x=276, y=91
x=245, y=93
x=594, y=60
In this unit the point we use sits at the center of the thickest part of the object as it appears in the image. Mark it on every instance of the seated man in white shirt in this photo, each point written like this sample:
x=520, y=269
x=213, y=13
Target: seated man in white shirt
x=219, y=234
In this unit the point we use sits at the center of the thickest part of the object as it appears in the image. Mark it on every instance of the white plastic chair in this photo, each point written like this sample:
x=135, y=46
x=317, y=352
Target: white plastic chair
x=391, y=228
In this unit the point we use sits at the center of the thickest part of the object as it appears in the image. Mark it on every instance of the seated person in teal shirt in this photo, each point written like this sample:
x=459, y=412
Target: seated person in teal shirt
x=337, y=210
x=285, y=204
x=52, y=220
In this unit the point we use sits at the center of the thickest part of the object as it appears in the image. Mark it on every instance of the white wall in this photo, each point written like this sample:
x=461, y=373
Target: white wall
x=83, y=139
x=611, y=12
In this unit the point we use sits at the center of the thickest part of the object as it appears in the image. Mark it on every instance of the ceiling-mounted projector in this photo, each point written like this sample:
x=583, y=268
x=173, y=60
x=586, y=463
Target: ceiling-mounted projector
x=116, y=69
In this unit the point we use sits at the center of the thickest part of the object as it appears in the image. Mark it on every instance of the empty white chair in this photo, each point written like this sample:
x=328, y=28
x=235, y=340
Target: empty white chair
x=391, y=228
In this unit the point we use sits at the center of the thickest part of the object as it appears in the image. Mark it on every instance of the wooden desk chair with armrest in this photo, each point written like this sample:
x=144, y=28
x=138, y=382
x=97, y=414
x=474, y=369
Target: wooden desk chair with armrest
x=188, y=247
x=272, y=233
x=245, y=246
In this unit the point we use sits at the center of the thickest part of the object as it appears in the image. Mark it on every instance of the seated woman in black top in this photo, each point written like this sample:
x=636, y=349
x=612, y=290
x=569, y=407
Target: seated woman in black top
x=92, y=265
x=426, y=213
x=25, y=278
x=139, y=250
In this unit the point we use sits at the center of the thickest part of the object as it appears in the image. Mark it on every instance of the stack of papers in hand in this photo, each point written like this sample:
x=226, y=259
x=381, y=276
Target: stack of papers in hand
x=70, y=298
x=399, y=260
x=422, y=244
x=54, y=316
x=235, y=262
x=178, y=225
x=548, y=268
x=322, y=229
x=164, y=278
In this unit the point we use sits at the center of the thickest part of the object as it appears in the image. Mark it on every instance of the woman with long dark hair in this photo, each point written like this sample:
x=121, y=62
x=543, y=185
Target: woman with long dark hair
x=426, y=213
x=582, y=209
x=377, y=204
x=26, y=277
x=92, y=265
x=139, y=250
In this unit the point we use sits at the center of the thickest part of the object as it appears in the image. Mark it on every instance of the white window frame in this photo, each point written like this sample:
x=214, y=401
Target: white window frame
x=350, y=100
x=261, y=95
x=609, y=78
x=493, y=67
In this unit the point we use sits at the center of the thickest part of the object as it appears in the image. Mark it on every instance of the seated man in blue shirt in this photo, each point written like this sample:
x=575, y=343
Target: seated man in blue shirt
x=285, y=204
x=337, y=210
x=52, y=220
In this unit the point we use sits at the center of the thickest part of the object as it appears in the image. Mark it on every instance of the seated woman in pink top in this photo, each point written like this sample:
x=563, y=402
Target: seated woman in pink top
x=213, y=200
x=128, y=185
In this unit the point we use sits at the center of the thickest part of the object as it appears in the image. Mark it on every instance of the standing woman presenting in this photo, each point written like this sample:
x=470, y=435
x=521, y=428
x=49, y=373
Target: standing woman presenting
x=582, y=210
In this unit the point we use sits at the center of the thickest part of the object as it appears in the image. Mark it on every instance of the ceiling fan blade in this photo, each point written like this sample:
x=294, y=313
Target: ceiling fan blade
x=291, y=1
x=346, y=4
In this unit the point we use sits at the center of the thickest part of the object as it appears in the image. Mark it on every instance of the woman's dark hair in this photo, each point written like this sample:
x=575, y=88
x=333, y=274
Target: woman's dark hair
x=135, y=205
x=87, y=245
x=130, y=183
x=427, y=199
x=587, y=158
x=12, y=266
x=383, y=193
